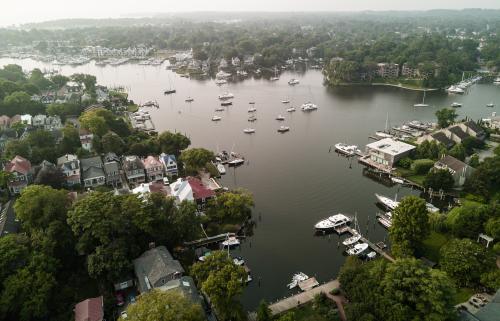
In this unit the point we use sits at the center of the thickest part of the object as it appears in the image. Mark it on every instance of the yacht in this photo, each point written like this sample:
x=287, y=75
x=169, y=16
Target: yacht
x=236, y=162
x=385, y=219
x=387, y=202
x=226, y=96
x=349, y=150
x=169, y=91
x=280, y=118
x=418, y=125
x=252, y=110
x=352, y=240
x=285, y=101
x=221, y=169
x=308, y=106
x=358, y=249
x=249, y=130
x=283, y=129
x=490, y=105
x=296, y=279
x=332, y=222
x=455, y=104
x=381, y=134
x=252, y=118
x=293, y=82
x=226, y=103
x=455, y=90
x=189, y=99
x=231, y=241
x=290, y=110
x=216, y=118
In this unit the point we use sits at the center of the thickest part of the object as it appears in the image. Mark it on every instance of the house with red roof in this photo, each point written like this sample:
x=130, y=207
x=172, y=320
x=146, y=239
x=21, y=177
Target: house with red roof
x=90, y=310
x=22, y=174
x=154, y=168
x=191, y=189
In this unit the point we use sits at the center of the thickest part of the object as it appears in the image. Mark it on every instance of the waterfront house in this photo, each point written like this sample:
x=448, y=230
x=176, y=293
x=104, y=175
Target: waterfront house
x=153, y=187
x=92, y=172
x=169, y=163
x=473, y=129
x=441, y=138
x=154, y=168
x=155, y=267
x=134, y=170
x=456, y=134
x=90, y=310
x=27, y=119
x=39, y=120
x=21, y=171
x=235, y=61
x=4, y=122
x=191, y=189
x=386, y=152
x=86, y=138
x=388, y=70
x=73, y=87
x=70, y=166
x=458, y=169
x=112, y=171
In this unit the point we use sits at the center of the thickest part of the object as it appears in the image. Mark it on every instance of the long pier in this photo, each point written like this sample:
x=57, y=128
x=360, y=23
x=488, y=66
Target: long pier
x=381, y=252
x=209, y=240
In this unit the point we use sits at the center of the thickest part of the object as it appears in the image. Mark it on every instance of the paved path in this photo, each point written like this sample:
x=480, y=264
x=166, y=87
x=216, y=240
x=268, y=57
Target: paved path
x=301, y=298
x=339, y=300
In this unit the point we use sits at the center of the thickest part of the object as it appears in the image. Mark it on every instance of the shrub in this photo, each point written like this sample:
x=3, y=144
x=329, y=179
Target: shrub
x=422, y=166
x=405, y=162
x=335, y=291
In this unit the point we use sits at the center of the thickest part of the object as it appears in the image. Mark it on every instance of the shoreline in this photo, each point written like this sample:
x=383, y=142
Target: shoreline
x=389, y=85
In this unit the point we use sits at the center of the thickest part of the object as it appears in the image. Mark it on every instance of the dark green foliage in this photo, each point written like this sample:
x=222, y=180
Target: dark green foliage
x=429, y=150
x=484, y=181
x=446, y=117
x=458, y=151
x=468, y=220
x=438, y=179
x=422, y=166
x=405, y=162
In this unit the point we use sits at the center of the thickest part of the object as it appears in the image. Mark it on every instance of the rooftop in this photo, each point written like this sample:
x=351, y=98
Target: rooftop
x=390, y=146
x=90, y=310
x=451, y=162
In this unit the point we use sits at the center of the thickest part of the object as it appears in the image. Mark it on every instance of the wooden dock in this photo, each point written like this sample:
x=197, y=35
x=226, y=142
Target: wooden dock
x=209, y=240
x=374, y=247
x=301, y=298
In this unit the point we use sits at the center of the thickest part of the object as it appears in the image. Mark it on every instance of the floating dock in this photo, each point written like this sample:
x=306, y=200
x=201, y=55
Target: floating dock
x=381, y=252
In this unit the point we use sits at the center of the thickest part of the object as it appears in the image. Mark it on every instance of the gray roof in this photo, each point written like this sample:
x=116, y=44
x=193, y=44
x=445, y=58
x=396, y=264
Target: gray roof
x=185, y=285
x=110, y=167
x=453, y=163
x=490, y=311
x=91, y=162
x=459, y=132
x=443, y=139
x=475, y=127
x=155, y=264
x=93, y=172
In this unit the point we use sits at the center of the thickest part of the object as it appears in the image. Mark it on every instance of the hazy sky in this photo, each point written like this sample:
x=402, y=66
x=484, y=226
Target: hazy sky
x=21, y=11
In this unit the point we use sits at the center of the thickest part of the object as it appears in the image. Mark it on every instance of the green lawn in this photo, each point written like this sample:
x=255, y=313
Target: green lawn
x=433, y=244
x=308, y=313
x=418, y=179
x=462, y=295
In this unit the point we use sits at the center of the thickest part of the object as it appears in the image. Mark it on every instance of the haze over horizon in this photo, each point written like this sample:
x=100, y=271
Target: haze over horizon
x=25, y=11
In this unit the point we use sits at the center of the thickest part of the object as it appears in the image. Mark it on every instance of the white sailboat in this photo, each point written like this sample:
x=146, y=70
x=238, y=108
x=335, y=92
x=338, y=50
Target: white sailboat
x=355, y=237
x=423, y=104
x=249, y=130
x=387, y=202
x=384, y=134
x=275, y=78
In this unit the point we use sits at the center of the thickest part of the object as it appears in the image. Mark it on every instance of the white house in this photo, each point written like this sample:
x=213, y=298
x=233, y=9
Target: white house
x=170, y=164
x=458, y=169
x=27, y=119
x=86, y=138
x=181, y=190
x=386, y=152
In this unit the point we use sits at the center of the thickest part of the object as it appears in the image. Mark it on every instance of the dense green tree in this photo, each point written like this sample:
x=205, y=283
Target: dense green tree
x=410, y=226
x=458, y=151
x=14, y=254
x=111, y=142
x=70, y=142
x=492, y=227
x=20, y=102
x=171, y=143
x=164, y=306
x=422, y=166
x=94, y=122
x=439, y=179
x=430, y=150
x=59, y=80
x=491, y=279
x=233, y=206
x=446, y=117
x=474, y=160
x=484, y=181
x=465, y=261
x=467, y=220
x=263, y=312
x=196, y=158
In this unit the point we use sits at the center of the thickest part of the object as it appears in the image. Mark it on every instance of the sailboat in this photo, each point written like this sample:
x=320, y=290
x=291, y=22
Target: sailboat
x=275, y=78
x=423, y=104
x=384, y=134
x=170, y=90
x=356, y=235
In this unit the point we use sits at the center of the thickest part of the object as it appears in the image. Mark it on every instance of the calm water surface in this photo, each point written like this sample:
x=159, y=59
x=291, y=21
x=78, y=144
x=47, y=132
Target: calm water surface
x=295, y=180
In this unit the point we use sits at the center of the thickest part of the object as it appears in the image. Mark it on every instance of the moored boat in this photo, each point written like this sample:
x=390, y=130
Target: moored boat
x=290, y=110
x=169, y=91
x=249, y=130
x=226, y=95
x=296, y=279
x=221, y=169
x=332, y=222
x=283, y=129
x=280, y=118
x=231, y=241
x=226, y=103
x=293, y=82
x=216, y=118
x=358, y=249
x=455, y=104
x=308, y=106
x=387, y=202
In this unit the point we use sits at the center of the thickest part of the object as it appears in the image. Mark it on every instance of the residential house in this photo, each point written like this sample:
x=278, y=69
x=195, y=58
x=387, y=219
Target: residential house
x=15, y=119
x=154, y=168
x=73, y=87
x=134, y=170
x=191, y=189
x=4, y=121
x=473, y=129
x=70, y=166
x=53, y=123
x=90, y=310
x=186, y=286
x=39, y=120
x=102, y=93
x=92, y=172
x=441, y=138
x=21, y=171
x=488, y=312
x=456, y=134
x=235, y=61
x=27, y=119
x=155, y=267
x=169, y=163
x=153, y=187
x=388, y=70
x=86, y=138
x=458, y=169
x=386, y=152
x=112, y=171
x=409, y=72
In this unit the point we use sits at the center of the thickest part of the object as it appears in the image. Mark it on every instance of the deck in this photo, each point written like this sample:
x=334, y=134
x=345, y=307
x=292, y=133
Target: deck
x=301, y=298
x=365, y=160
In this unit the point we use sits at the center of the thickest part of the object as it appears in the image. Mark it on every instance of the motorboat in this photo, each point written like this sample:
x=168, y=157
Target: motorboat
x=419, y=125
x=252, y=118
x=252, y=103
x=332, y=222
x=497, y=81
x=169, y=91
x=249, y=130
x=226, y=103
x=290, y=110
x=216, y=118
x=274, y=78
x=252, y=110
x=385, y=219
x=219, y=109
x=431, y=208
x=285, y=101
x=349, y=150
x=352, y=240
x=220, y=82
x=397, y=180
x=293, y=82
x=283, y=129
x=371, y=255
x=296, y=279
x=490, y=105
x=455, y=90
x=280, y=118
x=221, y=169
x=358, y=249
x=236, y=162
x=226, y=95
x=189, y=99
x=239, y=261
x=387, y=202
x=231, y=241
x=308, y=107
x=455, y=104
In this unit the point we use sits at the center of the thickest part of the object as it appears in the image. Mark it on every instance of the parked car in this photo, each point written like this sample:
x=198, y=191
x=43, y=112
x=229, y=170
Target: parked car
x=123, y=314
x=165, y=181
x=481, y=298
x=476, y=302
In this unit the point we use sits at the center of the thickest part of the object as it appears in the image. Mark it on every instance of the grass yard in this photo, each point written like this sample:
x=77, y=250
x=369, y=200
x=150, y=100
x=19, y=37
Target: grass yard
x=433, y=244
x=308, y=313
x=462, y=295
